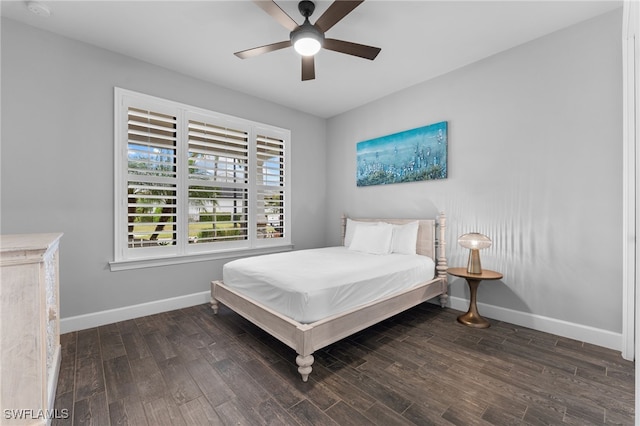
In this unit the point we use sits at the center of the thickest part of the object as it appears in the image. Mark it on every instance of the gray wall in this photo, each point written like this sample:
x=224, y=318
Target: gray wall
x=535, y=159
x=57, y=162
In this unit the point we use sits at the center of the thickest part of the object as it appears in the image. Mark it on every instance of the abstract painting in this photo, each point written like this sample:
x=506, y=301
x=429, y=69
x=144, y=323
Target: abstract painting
x=408, y=156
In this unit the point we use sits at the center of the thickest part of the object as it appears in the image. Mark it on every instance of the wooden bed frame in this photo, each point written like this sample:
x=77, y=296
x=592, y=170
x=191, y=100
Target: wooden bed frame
x=305, y=339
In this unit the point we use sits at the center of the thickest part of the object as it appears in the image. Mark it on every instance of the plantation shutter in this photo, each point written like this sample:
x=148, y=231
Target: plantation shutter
x=218, y=182
x=270, y=187
x=152, y=178
x=192, y=184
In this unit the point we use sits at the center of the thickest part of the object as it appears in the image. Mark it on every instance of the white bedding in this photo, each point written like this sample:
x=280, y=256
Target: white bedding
x=309, y=285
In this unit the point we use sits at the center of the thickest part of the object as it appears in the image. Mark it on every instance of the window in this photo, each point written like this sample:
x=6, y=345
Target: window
x=191, y=182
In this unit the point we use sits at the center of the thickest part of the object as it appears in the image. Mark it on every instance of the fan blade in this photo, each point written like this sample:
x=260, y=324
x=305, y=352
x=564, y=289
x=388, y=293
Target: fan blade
x=277, y=13
x=338, y=10
x=249, y=53
x=355, y=49
x=308, y=68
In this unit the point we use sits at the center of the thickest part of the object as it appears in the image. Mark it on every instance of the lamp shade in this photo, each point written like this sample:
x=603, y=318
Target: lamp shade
x=474, y=240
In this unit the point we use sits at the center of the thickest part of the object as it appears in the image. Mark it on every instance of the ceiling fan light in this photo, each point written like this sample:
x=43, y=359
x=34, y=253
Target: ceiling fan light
x=307, y=46
x=307, y=39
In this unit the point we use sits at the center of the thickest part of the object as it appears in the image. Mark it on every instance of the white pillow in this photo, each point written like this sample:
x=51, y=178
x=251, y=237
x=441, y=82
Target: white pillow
x=372, y=239
x=351, y=227
x=405, y=238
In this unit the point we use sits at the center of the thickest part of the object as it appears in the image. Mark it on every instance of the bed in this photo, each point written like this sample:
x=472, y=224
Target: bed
x=313, y=305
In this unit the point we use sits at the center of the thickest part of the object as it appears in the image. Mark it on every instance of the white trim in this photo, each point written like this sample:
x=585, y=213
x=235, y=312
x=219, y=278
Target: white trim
x=582, y=333
x=631, y=127
x=631, y=83
x=182, y=249
x=570, y=330
x=96, y=319
x=123, y=265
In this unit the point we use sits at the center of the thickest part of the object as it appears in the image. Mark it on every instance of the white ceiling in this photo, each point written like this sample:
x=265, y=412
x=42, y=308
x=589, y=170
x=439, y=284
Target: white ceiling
x=419, y=39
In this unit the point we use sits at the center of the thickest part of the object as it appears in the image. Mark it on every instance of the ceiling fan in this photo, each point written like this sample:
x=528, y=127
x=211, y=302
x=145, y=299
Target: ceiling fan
x=307, y=39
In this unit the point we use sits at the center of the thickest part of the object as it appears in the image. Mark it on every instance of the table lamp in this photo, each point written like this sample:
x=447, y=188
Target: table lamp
x=474, y=242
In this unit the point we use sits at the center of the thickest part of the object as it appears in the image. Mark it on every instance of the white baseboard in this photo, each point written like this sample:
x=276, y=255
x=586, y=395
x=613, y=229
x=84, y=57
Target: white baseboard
x=579, y=332
x=96, y=319
x=582, y=333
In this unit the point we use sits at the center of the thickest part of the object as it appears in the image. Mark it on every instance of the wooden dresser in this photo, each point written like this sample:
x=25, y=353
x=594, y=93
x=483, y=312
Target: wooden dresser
x=29, y=327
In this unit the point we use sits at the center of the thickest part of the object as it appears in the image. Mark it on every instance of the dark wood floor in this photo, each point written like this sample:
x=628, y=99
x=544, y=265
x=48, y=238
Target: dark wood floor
x=421, y=367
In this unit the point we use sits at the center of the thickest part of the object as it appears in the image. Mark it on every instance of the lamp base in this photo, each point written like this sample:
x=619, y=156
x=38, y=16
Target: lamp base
x=474, y=266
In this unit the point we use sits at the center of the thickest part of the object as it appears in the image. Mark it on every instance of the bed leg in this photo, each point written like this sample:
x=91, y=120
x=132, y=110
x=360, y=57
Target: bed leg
x=444, y=298
x=304, y=366
x=214, y=302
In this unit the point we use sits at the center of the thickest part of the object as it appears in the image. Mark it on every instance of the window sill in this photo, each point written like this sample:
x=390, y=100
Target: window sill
x=123, y=265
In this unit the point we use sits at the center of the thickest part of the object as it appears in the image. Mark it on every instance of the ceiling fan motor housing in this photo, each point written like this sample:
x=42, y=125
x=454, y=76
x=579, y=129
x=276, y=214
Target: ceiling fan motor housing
x=306, y=30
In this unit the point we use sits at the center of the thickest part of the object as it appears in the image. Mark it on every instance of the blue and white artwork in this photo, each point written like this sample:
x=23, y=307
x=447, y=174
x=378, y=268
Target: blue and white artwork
x=409, y=156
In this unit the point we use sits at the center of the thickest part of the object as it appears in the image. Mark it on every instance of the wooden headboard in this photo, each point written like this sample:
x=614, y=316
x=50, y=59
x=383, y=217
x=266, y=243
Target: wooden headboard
x=431, y=238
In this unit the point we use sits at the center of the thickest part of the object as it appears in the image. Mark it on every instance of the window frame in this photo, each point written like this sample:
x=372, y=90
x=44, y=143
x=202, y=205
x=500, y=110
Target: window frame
x=182, y=251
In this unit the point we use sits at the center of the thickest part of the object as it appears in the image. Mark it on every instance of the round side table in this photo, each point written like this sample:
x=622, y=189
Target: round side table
x=472, y=318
